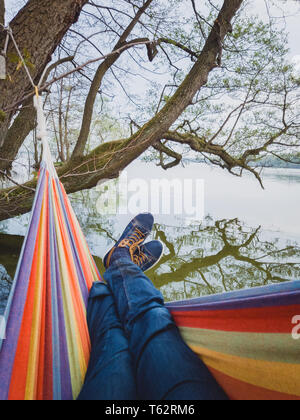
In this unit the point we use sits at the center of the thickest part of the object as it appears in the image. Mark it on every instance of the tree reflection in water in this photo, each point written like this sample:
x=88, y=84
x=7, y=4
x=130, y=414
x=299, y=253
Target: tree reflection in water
x=213, y=257
x=221, y=256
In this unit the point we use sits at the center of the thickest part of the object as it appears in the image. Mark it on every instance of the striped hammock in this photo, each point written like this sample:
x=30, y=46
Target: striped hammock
x=245, y=338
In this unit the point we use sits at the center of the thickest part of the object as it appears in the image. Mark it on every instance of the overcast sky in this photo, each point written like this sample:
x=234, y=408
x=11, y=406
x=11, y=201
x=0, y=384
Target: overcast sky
x=291, y=9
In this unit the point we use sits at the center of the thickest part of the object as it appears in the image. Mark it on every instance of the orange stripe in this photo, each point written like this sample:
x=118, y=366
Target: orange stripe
x=40, y=369
x=85, y=264
x=38, y=309
x=242, y=391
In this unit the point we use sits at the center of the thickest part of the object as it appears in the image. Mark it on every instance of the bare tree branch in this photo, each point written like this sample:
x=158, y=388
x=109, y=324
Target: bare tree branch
x=44, y=87
x=120, y=47
x=39, y=41
x=25, y=187
x=23, y=124
x=163, y=149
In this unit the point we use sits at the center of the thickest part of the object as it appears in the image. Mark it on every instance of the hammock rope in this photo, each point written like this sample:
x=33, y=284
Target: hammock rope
x=244, y=337
x=11, y=35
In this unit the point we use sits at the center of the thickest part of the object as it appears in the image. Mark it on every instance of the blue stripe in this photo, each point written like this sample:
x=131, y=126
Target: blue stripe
x=273, y=295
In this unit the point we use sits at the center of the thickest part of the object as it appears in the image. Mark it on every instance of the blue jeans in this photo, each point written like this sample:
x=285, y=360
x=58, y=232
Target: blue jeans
x=137, y=350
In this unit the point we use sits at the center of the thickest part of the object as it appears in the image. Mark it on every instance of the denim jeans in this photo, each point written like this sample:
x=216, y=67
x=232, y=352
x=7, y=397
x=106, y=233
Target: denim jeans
x=137, y=350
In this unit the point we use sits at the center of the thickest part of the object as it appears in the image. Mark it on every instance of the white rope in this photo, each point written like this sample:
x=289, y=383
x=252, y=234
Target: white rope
x=38, y=103
x=42, y=135
x=10, y=32
x=42, y=77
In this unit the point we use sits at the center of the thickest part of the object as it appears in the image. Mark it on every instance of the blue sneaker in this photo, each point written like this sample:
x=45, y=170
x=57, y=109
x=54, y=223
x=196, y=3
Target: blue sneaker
x=148, y=255
x=133, y=236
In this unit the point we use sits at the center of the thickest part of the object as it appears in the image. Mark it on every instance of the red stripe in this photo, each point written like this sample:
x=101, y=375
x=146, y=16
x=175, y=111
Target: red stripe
x=277, y=319
x=41, y=348
x=242, y=391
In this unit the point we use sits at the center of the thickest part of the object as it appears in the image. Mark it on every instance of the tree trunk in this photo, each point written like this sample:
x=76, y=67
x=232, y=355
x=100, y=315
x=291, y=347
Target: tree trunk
x=23, y=124
x=2, y=12
x=38, y=29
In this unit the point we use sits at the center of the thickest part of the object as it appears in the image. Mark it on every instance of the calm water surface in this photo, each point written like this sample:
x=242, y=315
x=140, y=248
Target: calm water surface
x=249, y=236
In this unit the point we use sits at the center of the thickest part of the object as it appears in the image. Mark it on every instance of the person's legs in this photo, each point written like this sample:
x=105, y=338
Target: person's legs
x=110, y=373
x=165, y=367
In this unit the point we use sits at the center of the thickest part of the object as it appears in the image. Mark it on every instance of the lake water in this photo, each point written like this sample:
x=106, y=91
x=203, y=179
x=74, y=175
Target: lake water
x=248, y=236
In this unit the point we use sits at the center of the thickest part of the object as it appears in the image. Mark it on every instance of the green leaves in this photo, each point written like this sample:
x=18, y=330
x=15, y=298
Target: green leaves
x=15, y=59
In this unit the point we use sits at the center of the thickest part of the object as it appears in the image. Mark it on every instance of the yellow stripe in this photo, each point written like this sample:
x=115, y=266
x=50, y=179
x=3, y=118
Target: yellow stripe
x=279, y=377
x=31, y=381
x=247, y=345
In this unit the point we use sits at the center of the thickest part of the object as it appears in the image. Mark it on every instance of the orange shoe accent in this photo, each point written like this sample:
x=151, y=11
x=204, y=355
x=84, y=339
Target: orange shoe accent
x=140, y=259
x=132, y=242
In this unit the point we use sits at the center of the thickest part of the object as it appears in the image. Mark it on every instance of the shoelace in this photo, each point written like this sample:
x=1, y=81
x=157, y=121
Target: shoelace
x=133, y=241
x=140, y=259
x=136, y=238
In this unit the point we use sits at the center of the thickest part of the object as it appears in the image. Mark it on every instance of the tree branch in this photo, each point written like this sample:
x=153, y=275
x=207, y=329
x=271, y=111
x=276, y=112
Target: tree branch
x=109, y=159
x=119, y=48
x=227, y=161
x=134, y=43
x=193, y=54
x=23, y=125
x=163, y=149
x=25, y=187
x=39, y=41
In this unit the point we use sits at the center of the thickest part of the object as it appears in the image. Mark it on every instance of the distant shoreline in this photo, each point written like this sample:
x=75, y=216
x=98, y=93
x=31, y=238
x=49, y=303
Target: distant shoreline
x=267, y=165
x=287, y=166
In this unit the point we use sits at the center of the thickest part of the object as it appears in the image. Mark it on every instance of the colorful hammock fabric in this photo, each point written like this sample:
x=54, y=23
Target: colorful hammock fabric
x=46, y=351
x=47, y=346
x=245, y=338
